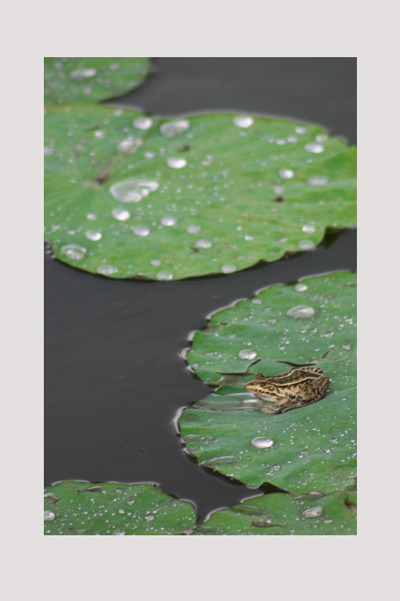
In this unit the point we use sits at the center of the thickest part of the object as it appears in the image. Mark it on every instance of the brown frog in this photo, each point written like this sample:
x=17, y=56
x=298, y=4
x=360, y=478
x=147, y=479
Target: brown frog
x=291, y=389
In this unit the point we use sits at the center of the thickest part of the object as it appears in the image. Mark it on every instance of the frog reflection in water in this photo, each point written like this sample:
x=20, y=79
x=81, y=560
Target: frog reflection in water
x=291, y=389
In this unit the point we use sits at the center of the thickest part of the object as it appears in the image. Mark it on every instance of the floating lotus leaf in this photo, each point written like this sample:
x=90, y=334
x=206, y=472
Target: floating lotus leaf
x=170, y=199
x=91, y=79
x=279, y=513
x=112, y=508
x=309, y=448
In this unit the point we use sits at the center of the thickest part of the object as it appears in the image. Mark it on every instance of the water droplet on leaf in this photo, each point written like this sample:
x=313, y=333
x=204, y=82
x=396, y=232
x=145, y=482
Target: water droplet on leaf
x=301, y=312
x=247, y=354
x=228, y=268
x=121, y=214
x=314, y=147
x=313, y=512
x=176, y=163
x=129, y=146
x=193, y=229
x=93, y=235
x=141, y=231
x=261, y=442
x=142, y=123
x=318, y=181
x=286, y=173
x=132, y=190
x=169, y=221
x=73, y=251
x=106, y=269
x=243, y=121
x=174, y=128
x=164, y=275
x=306, y=244
x=203, y=244
x=82, y=75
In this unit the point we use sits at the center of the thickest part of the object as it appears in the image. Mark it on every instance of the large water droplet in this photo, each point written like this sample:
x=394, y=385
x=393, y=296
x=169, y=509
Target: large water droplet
x=82, y=74
x=321, y=138
x=313, y=512
x=143, y=123
x=99, y=133
x=243, y=121
x=73, y=251
x=91, y=216
x=121, y=214
x=301, y=312
x=164, y=275
x=129, y=146
x=314, y=147
x=318, y=181
x=141, y=231
x=49, y=516
x=279, y=190
x=132, y=190
x=306, y=244
x=308, y=229
x=106, y=269
x=203, y=244
x=48, y=151
x=286, y=173
x=93, y=235
x=176, y=163
x=169, y=221
x=247, y=354
x=149, y=517
x=193, y=229
x=174, y=128
x=228, y=268
x=262, y=442
x=301, y=130
x=300, y=287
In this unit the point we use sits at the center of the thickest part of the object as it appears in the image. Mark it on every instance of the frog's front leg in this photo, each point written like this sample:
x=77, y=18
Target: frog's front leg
x=285, y=402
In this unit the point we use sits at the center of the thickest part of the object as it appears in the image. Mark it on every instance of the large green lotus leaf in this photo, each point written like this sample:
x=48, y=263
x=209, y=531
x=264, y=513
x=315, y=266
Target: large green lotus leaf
x=287, y=514
x=210, y=193
x=91, y=79
x=112, y=508
x=314, y=447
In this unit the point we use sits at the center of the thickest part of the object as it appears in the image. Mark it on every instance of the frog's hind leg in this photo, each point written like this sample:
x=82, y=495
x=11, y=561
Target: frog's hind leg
x=310, y=393
x=315, y=391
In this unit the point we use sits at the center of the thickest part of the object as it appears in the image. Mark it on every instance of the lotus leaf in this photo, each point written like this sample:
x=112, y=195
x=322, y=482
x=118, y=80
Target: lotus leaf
x=287, y=514
x=309, y=448
x=91, y=79
x=127, y=195
x=112, y=508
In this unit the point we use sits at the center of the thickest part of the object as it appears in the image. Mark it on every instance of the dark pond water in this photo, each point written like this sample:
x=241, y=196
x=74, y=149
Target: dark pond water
x=114, y=380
